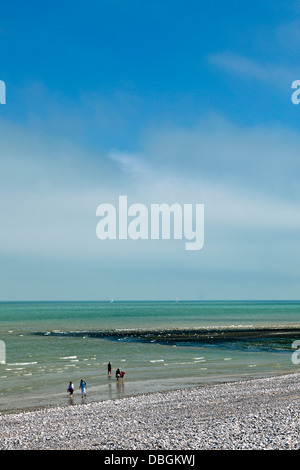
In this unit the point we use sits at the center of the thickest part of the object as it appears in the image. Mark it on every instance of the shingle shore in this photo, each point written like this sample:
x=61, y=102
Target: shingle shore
x=255, y=414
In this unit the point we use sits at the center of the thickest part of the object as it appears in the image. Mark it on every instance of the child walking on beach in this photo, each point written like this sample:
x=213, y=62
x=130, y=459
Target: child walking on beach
x=70, y=389
x=82, y=387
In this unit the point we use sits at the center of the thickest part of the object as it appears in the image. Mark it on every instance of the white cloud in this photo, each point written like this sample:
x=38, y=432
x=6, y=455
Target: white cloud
x=273, y=74
x=262, y=158
x=246, y=178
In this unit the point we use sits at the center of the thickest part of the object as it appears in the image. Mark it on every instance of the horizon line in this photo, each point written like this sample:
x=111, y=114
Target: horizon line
x=154, y=300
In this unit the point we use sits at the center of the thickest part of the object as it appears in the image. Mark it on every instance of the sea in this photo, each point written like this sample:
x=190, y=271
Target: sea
x=159, y=345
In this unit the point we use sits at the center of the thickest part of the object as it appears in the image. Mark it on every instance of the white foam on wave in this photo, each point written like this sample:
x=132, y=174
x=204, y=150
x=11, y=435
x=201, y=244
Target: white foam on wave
x=68, y=357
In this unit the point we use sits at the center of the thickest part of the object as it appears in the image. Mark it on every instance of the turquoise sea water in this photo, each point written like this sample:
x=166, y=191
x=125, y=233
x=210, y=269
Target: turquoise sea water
x=159, y=345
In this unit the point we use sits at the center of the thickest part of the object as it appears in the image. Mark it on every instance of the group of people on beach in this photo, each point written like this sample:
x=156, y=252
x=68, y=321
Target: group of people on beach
x=82, y=385
x=119, y=373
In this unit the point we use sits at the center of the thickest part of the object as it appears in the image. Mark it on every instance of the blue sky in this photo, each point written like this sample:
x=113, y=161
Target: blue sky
x=186, y=102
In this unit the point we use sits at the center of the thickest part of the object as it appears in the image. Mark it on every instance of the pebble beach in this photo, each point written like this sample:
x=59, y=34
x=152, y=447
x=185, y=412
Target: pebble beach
x=256, y=414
